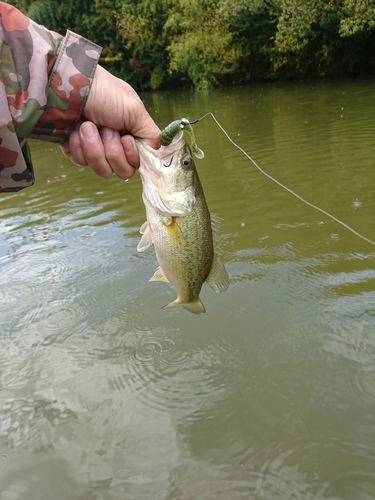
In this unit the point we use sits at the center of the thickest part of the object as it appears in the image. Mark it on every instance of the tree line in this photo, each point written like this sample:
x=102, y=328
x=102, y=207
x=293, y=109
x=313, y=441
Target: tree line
x=155, y=44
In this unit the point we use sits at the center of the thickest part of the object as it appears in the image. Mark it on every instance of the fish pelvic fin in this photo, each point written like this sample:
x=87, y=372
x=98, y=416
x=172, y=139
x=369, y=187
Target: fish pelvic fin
x=218, y=278
x=159, y=276
x=146, y=241
x=195, y=307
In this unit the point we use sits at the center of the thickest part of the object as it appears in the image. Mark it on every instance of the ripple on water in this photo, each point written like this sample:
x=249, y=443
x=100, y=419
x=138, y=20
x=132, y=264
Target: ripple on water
x=59, y=320
x=39, y=264
x=281, y=268
x=158, y=352
x=258, y=263
x=47, y=322
x=12, y=292
x=15, y=373
x=365, y=380
x=268, y=476
x=3, y=463
x=270, y=260
x=311, y=468
x=170, y=375
x=350, y=340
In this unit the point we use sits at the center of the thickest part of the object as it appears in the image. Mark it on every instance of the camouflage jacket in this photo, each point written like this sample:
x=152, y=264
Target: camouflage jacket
x=44, y=83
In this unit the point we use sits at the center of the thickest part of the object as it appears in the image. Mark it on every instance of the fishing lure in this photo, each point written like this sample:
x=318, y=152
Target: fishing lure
x=170, y=131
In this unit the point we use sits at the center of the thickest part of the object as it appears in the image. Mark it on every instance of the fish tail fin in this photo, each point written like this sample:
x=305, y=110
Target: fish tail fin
x=195, y=307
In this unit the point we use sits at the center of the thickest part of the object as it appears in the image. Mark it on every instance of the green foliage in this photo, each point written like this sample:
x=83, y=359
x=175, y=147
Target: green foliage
x=205, y=43
x=94, y=19
x=201, y=43
x=314, y=37
x=22, y=5
x=253, y=27
x=142, y=26
x=48, y=13
x=359, y=17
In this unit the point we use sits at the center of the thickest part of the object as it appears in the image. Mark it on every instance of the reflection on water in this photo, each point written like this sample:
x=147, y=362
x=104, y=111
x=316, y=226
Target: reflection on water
x=271, y=394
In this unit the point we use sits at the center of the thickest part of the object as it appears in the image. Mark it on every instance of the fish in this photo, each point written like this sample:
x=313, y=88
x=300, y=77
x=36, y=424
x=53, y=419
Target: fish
x=179, y=224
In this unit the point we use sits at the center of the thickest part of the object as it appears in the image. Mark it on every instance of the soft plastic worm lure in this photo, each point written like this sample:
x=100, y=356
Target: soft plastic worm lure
x=170, y=131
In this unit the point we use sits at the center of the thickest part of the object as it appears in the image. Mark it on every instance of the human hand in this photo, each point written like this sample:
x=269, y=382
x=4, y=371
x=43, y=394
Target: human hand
x=115, y=107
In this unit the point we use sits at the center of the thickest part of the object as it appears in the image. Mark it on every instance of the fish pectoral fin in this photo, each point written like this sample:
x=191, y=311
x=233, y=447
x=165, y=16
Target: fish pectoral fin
x=218, y=278
x=195, y=307
x=159, y=276
x=175, y=232
x=146, y=240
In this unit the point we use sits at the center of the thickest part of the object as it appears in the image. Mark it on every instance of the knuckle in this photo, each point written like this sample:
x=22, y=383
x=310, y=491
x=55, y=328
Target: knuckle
x=112, y=156
x=78, y=160
x=102, y=171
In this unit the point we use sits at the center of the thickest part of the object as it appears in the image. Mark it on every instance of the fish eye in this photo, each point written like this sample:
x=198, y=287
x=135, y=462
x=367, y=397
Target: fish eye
x=170, y=163
x=186, y=161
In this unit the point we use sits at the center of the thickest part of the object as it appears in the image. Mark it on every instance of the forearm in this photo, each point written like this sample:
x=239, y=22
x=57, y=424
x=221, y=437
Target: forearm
x=44, y=83
x=68, y=87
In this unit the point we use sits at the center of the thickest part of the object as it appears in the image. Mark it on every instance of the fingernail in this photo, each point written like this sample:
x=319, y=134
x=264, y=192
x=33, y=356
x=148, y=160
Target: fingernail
x=129, y=146
x=89, y=131
x=107, y=133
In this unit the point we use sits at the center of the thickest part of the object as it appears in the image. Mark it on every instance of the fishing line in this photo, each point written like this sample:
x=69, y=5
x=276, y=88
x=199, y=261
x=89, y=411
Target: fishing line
x=282, y=185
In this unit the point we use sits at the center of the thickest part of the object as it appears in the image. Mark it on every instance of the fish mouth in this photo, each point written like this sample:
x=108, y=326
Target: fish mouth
x=153, y=161
x=175, y=201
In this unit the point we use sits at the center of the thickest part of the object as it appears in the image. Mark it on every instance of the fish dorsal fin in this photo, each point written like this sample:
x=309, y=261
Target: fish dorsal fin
x=159, y=275
x=216, y=224
x=218, y=278
x=146, y=240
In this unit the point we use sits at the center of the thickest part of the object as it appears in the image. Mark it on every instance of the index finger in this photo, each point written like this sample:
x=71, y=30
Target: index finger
x=142, y=126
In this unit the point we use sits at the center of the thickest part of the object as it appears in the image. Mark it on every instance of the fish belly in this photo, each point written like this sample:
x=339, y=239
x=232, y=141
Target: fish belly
x=184, y=250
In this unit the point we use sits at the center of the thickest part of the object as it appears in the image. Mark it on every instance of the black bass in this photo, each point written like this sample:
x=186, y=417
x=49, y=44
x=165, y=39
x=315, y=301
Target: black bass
x=179, y=224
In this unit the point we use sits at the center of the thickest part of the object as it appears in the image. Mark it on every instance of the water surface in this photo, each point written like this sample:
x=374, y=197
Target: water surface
x=271, y=394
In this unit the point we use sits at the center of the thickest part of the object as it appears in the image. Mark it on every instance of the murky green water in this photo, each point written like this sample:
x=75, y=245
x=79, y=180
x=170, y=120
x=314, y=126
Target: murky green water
x=271, y=394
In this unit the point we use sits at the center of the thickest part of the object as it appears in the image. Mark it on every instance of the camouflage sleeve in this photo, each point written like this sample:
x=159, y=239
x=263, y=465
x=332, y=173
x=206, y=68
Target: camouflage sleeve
x=44, y=83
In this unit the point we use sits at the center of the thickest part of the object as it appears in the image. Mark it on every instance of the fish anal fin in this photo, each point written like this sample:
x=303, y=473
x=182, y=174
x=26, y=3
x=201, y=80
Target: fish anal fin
x=146, y=241
x=218, y=278
x=195, y=307
x=159, y=276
